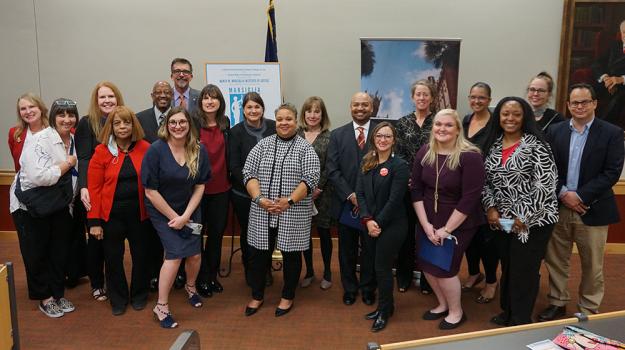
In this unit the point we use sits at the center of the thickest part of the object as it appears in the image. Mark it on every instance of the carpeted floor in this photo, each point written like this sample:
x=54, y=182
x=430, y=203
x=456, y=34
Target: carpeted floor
x=319, y=319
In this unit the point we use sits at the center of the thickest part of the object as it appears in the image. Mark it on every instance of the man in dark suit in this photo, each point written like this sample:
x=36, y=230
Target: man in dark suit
x=152, y=118
x=348, y=144
x=589, y=155
x=182, y=74
x=609, y=70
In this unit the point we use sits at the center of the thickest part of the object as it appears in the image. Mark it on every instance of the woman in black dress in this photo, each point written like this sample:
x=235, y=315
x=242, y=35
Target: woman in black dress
x=173, y=173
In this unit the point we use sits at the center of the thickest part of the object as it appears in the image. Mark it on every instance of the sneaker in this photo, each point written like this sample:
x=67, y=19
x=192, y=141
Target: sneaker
x=51, y=309
x=65, y=305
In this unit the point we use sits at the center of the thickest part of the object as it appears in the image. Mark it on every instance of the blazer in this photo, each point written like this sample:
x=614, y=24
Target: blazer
x=240, y=143
x=103, y=174
x=192, y=106
x=381, y=197
x=147, y=118
x=600, y=169
x=343, y=163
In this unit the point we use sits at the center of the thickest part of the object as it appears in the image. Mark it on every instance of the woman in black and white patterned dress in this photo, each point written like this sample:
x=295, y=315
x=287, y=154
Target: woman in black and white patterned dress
x=280, y=174
x=521, y=179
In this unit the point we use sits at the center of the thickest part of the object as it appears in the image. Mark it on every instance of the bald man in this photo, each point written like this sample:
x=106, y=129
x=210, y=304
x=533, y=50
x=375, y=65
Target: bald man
x=151, y=118
x=348, y=144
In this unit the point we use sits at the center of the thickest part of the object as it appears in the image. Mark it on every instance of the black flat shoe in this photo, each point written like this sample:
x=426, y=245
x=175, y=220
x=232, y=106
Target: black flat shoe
x=552, y=312
x=368, y=298
x=139, y=305
x=375, y=314
x=500, y=320
x=215, y=286
x=118, y=310
x=432, y=316
x=204, y=290
x=249, y=311
x=444, y=325
x=282, y=312
x=349, y=298
x=379, y=323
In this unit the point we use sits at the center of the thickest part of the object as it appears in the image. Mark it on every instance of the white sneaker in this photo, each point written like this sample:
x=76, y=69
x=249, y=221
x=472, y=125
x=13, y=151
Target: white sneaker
x=65, y=305
x=51, y=309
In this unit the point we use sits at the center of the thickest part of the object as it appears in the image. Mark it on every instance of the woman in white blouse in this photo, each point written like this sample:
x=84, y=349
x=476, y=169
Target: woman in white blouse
x=44, y=240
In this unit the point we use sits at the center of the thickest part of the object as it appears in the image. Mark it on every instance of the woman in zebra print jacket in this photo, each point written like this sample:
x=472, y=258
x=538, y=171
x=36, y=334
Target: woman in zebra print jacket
x=520, y=186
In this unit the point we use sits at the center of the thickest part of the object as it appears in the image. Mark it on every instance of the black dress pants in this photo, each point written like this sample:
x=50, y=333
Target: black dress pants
x=520, y=278
x=75, y=268
x=483, y=247
x=260, y=262
x=242, y=210
x=95, y=262
x=406, y=256
x=44, y=244
x=214, y=218
x=125, y=223
x=154, y=251
x=387, y=246
x=349, y=240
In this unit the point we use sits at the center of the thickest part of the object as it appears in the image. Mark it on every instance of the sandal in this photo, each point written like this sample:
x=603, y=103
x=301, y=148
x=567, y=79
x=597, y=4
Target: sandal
x=467, y=287
x=168, y=320
x=194, y=298
x=481, y=299
x=99, y=294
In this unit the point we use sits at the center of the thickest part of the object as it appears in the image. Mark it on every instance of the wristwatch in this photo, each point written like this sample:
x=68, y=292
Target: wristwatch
x=290, y=201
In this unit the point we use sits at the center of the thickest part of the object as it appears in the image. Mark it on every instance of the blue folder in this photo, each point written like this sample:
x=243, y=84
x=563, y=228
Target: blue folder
x=349, y=218
x=437, y=255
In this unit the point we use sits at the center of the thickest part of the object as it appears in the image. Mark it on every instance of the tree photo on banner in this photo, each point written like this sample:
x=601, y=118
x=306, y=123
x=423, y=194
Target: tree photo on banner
x=390, y=66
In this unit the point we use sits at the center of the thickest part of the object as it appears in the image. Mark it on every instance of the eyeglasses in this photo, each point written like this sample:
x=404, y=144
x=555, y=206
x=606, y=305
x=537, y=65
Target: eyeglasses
x=536, y=91
x=65, y=103
x=384, y=136
x=174, y=123
x=479, y=98
x=181, y=71
x=583, y=104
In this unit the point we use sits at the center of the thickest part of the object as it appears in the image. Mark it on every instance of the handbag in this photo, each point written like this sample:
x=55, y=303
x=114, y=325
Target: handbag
x=438, y=255
x=42, y=201
x=349, y=218
x=573, y=337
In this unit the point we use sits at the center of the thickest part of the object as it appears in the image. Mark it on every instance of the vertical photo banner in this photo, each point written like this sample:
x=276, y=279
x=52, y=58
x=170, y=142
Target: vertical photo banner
x=390, y=66
x=237, y=79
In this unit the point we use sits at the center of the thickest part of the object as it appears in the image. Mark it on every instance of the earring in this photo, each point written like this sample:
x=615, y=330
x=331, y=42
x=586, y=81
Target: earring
x=373, y=152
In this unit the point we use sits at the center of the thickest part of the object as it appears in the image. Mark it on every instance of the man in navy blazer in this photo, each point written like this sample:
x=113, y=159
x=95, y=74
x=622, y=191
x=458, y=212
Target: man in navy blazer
x=589, y=155
x=182, y=74
x=609, y=70
x=151, y=118
x=348, y=144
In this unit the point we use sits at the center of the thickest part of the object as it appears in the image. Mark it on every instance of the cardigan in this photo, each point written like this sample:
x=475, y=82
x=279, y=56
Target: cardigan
x=102, y=176
x=16, y=146
x=525, y=187
x=280, y=166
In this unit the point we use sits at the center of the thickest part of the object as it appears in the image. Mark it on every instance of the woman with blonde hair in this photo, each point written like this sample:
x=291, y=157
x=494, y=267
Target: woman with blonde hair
x=173, y=173
x=447, y=181
x=104, y=98
x=380, y=190
x=539, y=92
x=32, y=117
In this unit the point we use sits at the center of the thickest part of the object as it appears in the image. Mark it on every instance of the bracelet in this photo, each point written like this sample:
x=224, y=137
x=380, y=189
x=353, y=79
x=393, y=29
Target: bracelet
x=446, y=230
x=257, y=199
x=290, y=201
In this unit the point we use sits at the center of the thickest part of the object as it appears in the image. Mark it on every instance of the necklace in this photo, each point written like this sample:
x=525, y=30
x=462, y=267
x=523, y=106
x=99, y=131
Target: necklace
x=438, y=173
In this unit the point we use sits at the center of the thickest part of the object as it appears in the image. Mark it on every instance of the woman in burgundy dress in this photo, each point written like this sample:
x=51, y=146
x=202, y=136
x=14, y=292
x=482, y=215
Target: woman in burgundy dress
x=447, y=180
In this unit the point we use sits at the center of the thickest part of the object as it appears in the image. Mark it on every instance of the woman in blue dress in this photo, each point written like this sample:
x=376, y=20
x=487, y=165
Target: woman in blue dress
x=174, y=172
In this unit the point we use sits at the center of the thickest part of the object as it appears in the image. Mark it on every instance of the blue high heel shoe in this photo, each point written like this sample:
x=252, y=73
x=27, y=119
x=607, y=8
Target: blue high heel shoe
x=194, y=298
x=168, y=321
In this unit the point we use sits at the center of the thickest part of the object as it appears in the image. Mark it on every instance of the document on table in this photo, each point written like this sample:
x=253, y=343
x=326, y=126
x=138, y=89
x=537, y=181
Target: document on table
x=544, y=345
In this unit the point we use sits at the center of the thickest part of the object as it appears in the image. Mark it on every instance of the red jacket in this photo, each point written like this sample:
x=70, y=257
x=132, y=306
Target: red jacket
x=15, y=146
x=102, y=179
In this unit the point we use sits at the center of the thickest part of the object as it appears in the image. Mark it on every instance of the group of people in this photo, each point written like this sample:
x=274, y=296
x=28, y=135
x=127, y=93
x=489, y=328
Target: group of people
x=515, y=185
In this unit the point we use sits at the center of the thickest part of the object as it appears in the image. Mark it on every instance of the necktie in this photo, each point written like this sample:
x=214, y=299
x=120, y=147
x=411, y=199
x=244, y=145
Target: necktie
x=161, y=119
x=361, y=137
x=183, y=102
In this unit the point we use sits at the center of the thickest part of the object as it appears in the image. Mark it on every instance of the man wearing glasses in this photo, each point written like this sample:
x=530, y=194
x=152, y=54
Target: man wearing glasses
x=589, y=155
x=182, y=74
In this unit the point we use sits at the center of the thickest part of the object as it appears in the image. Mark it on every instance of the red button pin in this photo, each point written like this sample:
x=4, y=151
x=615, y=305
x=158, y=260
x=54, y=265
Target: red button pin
x=383, y=172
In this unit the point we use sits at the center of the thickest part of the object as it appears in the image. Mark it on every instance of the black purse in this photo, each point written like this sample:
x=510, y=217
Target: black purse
x=42, y=201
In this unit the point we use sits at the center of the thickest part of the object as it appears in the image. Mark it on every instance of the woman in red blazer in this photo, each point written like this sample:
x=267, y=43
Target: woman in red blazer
x=117, y=207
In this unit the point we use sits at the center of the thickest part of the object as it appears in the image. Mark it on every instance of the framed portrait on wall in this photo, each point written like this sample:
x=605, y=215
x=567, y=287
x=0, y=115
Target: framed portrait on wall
x=592, y=50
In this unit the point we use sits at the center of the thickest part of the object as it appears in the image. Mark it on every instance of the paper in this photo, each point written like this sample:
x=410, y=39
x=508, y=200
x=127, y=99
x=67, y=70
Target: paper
x=544, y=345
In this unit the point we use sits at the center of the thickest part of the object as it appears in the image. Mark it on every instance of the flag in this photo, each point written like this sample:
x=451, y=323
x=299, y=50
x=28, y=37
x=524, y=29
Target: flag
x=271, y=47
